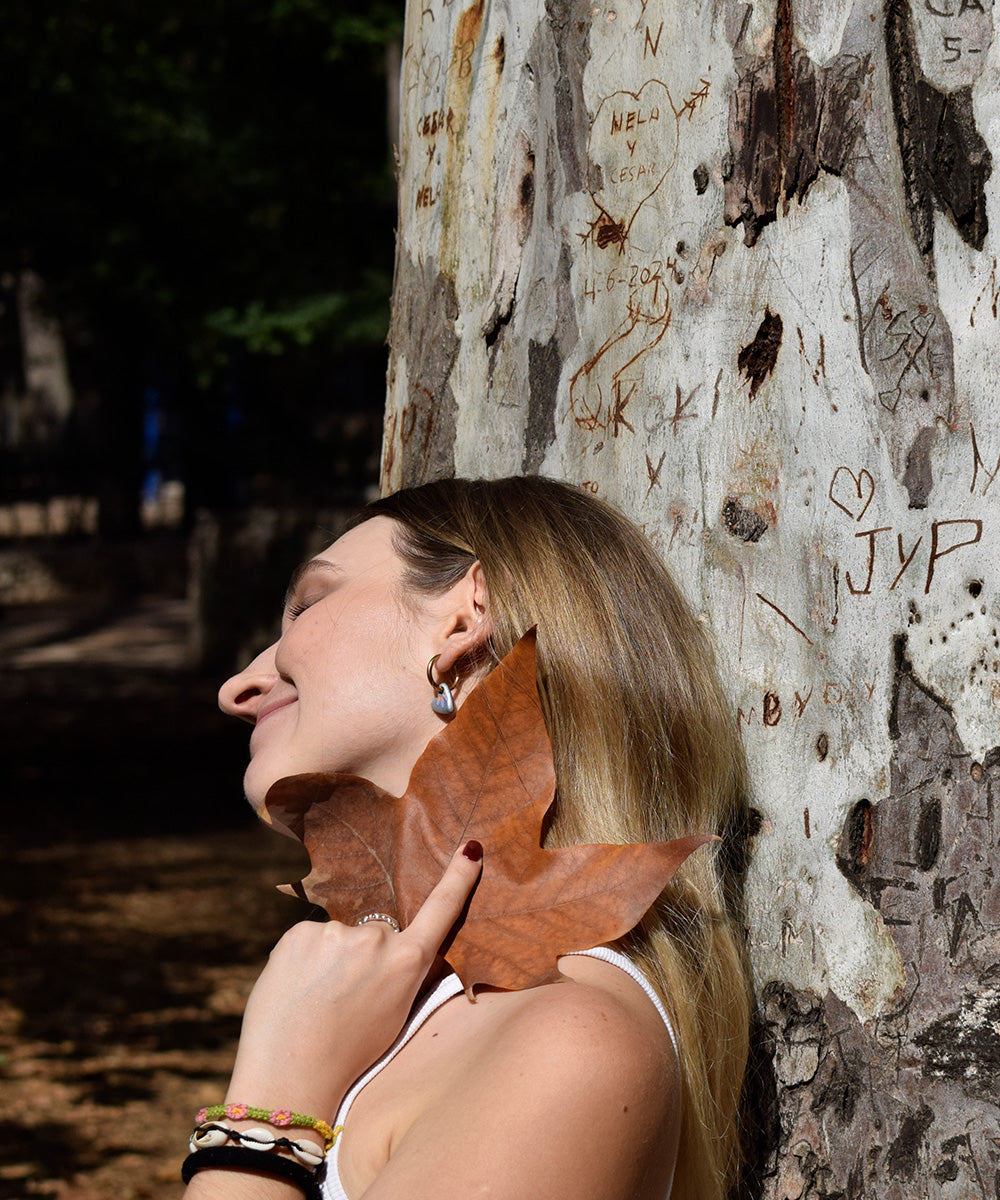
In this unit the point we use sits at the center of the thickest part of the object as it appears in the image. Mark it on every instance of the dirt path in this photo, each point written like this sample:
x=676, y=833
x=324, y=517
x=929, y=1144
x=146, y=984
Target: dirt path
x=138, y=902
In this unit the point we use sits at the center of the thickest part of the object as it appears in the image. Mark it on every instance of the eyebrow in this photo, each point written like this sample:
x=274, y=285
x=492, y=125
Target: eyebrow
x=303, y=569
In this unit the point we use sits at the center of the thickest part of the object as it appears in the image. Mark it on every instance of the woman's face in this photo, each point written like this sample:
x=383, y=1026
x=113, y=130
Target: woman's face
x=344, y=688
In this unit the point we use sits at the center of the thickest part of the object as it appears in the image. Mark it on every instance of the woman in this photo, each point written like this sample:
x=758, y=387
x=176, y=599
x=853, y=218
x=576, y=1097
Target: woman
x=613, y=1082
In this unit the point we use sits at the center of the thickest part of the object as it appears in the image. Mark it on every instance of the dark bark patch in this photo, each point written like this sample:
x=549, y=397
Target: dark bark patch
x=839, y=1084
x=904, y=1152
x=943, y=154
x=701, y=178
x=757, y=359
x=526, y=194
x=788, y=120
x=928, y=835
x=959, y=161
x=569, y=42
x=545, y=361
x=918, y=478
x=963, y=1045
x=743, y=523
x=544, y=368
x=760, y=1120
x=903, y=670
x=856, y=841
x=423, y=324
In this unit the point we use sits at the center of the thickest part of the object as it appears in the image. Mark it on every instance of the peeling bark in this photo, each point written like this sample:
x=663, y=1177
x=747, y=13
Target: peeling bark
x=422, y=434
x=943, y=153
x=788, y=120
x=913, y=1094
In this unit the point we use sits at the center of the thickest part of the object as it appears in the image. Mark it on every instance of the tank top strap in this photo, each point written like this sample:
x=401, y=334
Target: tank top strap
x=441, y=992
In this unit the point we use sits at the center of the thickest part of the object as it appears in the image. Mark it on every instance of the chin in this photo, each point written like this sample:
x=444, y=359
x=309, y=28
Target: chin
x=255, y=790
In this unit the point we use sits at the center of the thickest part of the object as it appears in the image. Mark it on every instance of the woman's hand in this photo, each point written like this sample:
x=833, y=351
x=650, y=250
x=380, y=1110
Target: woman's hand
x=333, y=998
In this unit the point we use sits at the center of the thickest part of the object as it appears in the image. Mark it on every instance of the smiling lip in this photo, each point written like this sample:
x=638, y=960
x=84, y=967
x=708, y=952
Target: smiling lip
x=263, y=715
x=273, y=708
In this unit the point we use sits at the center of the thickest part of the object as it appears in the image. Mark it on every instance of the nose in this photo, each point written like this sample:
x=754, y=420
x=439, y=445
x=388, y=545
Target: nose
x=241, y=695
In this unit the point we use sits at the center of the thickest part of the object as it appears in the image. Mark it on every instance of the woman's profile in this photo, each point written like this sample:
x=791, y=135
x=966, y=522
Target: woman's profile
x=363, y=1070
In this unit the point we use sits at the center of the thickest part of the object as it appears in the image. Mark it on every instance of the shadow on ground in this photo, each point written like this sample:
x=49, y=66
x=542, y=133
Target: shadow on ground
x=138, y=904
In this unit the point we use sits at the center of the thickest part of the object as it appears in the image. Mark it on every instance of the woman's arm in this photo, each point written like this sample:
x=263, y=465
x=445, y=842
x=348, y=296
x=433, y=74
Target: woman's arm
x=330, y=1001
x=567, y=1091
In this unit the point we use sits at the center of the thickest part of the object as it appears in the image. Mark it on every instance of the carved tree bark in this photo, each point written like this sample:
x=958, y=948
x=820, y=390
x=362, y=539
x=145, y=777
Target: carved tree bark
x=734, y=268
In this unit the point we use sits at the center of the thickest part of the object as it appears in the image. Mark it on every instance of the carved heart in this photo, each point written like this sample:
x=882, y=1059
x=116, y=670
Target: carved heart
x=632, y=146
x=852, y=495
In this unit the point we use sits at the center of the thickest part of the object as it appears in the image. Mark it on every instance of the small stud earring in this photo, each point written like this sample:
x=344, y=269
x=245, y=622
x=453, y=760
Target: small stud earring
x=443, y=702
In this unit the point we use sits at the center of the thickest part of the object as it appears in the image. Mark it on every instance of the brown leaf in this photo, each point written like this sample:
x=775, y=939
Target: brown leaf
x=487, y=775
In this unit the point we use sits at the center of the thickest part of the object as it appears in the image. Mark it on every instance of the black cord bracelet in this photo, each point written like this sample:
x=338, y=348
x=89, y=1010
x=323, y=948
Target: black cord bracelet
x=243, y=1159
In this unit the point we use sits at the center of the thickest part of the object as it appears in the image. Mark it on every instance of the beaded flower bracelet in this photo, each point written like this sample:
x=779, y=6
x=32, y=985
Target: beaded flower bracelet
x=281, y=1118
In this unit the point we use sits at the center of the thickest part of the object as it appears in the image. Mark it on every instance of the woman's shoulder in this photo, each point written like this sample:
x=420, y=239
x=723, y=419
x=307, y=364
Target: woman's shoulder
x=595, y=1011
x=588, y=1056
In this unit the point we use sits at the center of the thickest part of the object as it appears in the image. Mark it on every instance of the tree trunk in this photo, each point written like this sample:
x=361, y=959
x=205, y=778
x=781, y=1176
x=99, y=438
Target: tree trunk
x=734, y=268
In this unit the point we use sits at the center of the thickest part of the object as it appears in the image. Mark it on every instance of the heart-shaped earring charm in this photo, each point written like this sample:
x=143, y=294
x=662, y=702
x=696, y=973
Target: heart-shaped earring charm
x=444, y=702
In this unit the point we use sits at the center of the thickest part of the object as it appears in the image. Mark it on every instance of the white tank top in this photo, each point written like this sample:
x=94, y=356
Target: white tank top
x=443, y=991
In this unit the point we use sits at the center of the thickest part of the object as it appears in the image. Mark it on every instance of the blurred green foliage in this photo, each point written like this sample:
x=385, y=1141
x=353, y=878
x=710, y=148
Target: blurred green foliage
x=201, y=185
x=199, y=159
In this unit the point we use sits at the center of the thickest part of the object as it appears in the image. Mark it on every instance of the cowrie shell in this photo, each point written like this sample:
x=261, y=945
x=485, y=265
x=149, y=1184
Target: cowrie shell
x=257, y=1139
x=308, y=1153
x=202, y=1139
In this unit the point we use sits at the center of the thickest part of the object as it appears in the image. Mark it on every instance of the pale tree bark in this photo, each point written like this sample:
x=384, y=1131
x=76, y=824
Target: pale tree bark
x=734, y=268
x=39, y=416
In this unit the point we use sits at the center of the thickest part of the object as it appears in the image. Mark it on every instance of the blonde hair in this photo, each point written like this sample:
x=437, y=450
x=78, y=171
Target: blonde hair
x=644, y=743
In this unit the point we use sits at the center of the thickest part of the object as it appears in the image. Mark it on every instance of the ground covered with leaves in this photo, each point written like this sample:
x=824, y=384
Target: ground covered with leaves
x=138, y=905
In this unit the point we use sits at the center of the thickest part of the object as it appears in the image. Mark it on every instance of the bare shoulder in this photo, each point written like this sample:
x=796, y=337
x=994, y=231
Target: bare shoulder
x=597, y=1019
x=570, y=1089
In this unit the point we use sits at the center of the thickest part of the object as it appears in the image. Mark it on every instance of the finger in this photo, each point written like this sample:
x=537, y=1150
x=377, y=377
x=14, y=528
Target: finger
x=442, y=907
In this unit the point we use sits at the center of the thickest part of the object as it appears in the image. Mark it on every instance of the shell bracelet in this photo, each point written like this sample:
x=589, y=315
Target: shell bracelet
x=207, y=1136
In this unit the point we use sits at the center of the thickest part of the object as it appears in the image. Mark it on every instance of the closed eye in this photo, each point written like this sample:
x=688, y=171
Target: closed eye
x=297, y=598
x=295, y=608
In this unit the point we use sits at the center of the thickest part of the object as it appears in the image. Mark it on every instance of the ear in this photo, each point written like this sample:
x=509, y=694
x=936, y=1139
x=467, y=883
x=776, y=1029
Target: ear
x=467, y=627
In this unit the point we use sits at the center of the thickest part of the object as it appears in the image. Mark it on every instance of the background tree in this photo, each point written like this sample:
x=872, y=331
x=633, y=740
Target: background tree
x=734, y=268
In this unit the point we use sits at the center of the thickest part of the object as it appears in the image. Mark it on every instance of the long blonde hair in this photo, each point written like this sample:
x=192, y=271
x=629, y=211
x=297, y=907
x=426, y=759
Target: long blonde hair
x=645, y=747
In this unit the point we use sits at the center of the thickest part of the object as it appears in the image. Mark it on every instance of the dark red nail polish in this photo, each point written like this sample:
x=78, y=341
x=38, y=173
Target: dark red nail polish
x=473, y=851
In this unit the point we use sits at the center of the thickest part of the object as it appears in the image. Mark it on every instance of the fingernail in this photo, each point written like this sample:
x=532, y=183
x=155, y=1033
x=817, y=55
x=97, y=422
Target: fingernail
x=473, y=851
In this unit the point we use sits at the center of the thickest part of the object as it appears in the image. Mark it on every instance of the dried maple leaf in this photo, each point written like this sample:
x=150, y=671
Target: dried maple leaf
x=487, y=775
